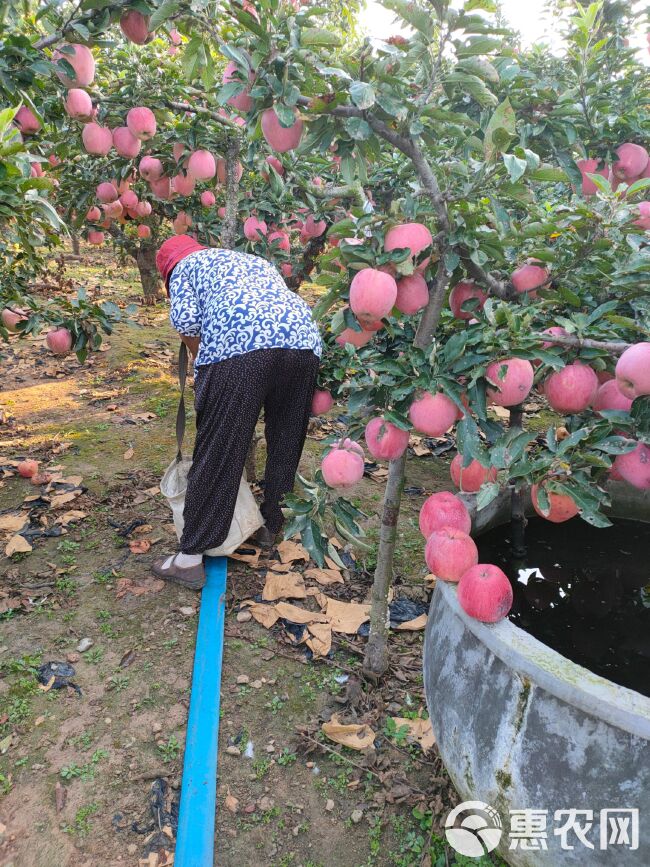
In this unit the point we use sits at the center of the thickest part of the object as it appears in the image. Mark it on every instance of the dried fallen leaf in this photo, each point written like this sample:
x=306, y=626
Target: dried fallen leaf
x=128, y=454
x=70, y=517
x=325, y=576
x=139, y=546
x=290, y=551
x=288, y=586
x=355, y=735
x=17, y=545
x=13, y=523
x=62, y=499
x=415, y=624
x=279, y=567
x=296, y=614
x=247, y=554
x=231, y=802
x=418, y=729
x=320, y=638
x=266, y=615
x=345, y=617
x=142, y=529
x=72, y=480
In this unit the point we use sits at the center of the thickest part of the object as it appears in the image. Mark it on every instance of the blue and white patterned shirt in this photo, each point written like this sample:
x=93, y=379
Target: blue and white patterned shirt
x=237, y=303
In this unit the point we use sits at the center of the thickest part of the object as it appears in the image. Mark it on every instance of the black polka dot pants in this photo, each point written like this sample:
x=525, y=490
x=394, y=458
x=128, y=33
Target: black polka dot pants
x=229, y=396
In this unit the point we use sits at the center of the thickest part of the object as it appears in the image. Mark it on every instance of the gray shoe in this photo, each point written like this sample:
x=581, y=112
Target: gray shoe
x=192, y=577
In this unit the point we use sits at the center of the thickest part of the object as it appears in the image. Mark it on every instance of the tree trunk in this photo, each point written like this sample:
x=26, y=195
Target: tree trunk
x=229, y=232
x=375, y=661
x=517, y=514
x=145, y=258
x=75, y=243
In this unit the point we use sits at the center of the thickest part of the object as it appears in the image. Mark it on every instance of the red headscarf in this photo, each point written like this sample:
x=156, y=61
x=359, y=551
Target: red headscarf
x=172, y=251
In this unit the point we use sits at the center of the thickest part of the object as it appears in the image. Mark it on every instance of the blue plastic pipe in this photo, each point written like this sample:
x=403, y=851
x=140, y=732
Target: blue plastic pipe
x=195, y=838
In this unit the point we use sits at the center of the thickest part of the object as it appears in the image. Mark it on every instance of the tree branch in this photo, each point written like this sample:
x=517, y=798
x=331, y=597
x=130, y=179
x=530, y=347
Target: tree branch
x=130, y=247
x=431, y=314
x=352, y=191
x=583, y=342
x=207, y=112
x=494, y=286
x=312, y=251
x=53, y=38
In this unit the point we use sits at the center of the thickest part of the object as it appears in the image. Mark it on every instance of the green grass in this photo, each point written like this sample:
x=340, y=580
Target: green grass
x=169, y=750
x=81, y=826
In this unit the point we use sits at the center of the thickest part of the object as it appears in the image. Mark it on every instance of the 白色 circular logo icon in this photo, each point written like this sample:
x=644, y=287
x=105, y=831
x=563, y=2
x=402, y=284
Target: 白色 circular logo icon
x=473, y=828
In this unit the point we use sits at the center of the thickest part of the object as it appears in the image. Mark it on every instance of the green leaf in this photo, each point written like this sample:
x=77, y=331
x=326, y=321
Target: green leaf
x=392, y=105
x=616, y=445
x=231, y=53
x=596, y=519
x=601, y=183
x=396, y=418
x=638, y=186
x=486, y=494
x=543, y=501
x=358, y=128
x=569, y=296
x=480, y=67
x=478, y=45
x=315, y=37
x=515, y=166
x=6, y=117
x=640, y=412
x=549, y=173
x=166, y=9
x=418, y=18
x=191, y=57
x=81, y=29
x=500, y=129
x=285, y=114
x=362, y=94
x=472, y=85
x=314, y=542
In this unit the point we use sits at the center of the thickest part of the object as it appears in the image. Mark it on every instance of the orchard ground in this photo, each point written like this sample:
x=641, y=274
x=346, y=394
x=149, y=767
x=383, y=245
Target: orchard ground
x=76, y=772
